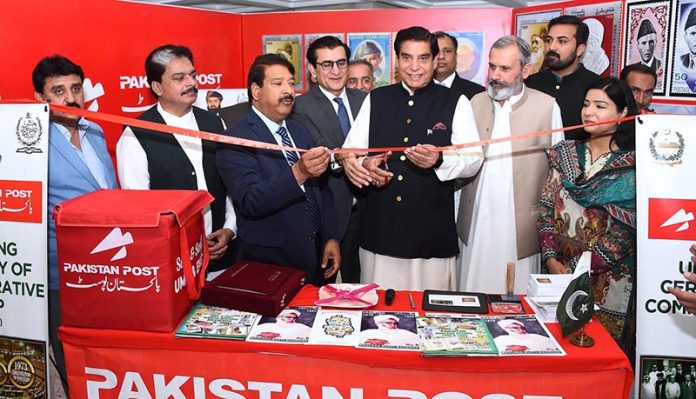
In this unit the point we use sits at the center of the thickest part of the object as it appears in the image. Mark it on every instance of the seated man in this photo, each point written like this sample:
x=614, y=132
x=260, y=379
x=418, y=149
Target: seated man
x=285, y=216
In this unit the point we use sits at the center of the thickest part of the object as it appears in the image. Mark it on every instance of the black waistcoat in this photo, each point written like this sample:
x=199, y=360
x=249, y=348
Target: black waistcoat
x=413, y=216
x=171, y=169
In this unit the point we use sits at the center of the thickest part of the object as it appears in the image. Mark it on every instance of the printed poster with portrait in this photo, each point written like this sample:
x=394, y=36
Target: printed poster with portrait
x=470, y=55
x=683, y=83
x=375, y=48
x=309, y=38
x=665, y=207
x=293, y=325
x=603, y=46
x=290, y=47
x=646, y=39
x=533, y=28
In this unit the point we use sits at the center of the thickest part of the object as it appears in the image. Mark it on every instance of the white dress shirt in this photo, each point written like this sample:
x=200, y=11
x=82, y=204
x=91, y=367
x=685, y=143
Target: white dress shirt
x=334, y=104
x=133, y=166
x=86, y=152
x=447, y=82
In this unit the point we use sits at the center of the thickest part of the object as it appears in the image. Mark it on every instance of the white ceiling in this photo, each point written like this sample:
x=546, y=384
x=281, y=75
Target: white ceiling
x=255, y=6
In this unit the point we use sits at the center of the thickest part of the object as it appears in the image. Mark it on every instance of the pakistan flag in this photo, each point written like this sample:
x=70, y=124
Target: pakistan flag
x=576, y=304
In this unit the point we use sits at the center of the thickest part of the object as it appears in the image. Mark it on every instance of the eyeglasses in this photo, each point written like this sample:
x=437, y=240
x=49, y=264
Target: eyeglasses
x=328, y=65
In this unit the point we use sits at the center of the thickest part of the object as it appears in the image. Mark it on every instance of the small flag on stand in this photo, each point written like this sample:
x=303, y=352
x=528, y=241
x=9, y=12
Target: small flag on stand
x=577, y=303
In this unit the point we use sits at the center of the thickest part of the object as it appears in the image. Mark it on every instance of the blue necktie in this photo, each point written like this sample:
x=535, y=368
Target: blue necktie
x=293, y=157
x=343, y=118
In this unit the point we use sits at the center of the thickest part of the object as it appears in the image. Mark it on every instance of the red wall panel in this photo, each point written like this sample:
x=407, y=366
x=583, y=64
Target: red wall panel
x=110, y=40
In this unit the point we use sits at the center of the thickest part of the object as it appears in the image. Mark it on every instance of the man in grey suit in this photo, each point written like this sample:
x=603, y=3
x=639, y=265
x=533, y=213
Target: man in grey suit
x=327, y=111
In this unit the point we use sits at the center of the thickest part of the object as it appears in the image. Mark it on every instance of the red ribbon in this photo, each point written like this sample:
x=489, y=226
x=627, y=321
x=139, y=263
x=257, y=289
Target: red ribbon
x=122, y=120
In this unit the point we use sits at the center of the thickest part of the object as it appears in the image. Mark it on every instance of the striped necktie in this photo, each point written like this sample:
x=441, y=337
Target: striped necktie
x=342, y=114
x=292, y=158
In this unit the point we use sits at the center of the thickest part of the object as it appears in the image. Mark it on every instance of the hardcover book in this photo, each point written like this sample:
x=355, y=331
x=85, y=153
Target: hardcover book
x=254, y=287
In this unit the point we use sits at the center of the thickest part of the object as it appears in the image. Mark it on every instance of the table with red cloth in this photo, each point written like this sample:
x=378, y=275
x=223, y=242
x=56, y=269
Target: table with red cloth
x=136, y=364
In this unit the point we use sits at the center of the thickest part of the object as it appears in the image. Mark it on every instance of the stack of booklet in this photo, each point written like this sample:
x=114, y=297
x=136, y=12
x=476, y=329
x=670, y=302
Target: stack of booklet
x=486, y=336
x=306, y=325
x=204, y=321
x=548, y=284
x=544, y=291
x=435, y=335
x=545, y=307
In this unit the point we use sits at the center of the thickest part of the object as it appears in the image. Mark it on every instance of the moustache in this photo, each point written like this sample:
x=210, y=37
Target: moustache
x=286, y=97
x=496, y=83
x=192, y=89
x=553, y=54
x=70, y=104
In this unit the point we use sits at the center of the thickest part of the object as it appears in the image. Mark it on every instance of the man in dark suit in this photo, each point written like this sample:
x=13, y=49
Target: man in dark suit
x=641, y=80
x=688, y=387
x=445, y=72
x=285, y=216
x=327, y=110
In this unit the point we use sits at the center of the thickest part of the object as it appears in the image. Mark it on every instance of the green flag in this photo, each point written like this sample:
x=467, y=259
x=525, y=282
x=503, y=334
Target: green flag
x=577, y=303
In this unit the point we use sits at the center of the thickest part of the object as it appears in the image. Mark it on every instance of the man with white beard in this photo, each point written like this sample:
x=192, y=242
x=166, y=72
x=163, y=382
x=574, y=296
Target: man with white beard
x=498, y=209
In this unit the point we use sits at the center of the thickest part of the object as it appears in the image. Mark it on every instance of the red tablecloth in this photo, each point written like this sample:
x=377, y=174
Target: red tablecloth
x=109, y=363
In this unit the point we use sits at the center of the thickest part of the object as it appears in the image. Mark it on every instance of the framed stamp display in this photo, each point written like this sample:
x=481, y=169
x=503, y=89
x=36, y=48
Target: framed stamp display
x=646, y=39
x=451, y=301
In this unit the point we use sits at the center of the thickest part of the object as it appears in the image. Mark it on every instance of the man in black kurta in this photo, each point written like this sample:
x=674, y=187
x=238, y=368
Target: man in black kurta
x=566, y=79
x=407, y=232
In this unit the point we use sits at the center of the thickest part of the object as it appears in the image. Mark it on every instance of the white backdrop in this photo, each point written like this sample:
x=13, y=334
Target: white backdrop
x=666, y=203
x=23, y=270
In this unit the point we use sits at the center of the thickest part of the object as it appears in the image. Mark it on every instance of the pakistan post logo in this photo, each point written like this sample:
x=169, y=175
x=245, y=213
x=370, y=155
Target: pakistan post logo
x=29, y=131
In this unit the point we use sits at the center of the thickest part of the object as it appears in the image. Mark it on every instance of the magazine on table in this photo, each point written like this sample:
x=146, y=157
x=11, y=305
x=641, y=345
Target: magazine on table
x=336, y=327
x=292, y=326
x=516, y=335
x=388, y=330
x=205, y=321
x=455, y=336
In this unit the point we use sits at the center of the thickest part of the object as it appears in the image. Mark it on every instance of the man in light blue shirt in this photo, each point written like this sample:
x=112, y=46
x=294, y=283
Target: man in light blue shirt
x=78, y=163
